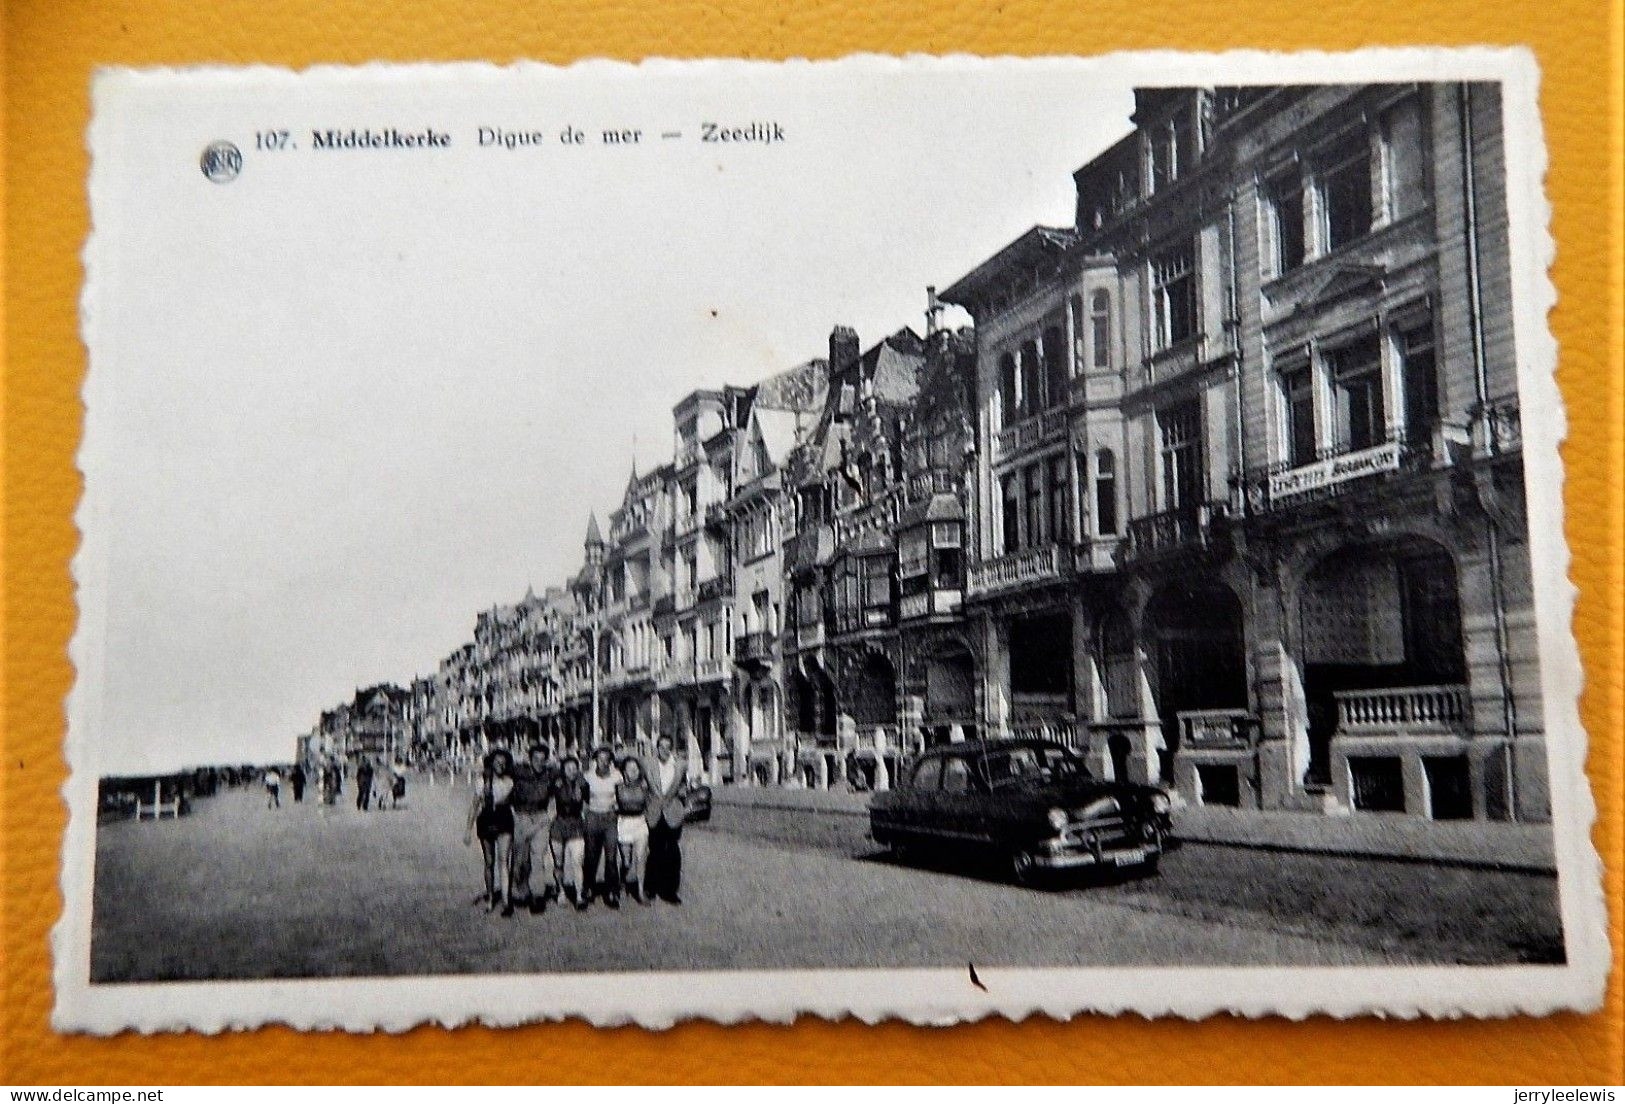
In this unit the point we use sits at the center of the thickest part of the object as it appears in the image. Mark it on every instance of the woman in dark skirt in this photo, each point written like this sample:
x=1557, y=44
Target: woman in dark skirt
x=491, y=818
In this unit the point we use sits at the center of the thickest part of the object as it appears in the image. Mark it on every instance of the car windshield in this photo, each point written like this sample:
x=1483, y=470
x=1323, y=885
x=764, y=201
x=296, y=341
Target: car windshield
x=1026, y=765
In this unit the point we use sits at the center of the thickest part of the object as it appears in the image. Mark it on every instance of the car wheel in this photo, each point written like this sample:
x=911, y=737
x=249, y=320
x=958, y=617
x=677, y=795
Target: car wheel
x=1024, y=867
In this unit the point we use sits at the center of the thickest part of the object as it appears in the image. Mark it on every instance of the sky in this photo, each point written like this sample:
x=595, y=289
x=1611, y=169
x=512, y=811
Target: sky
x=347, y=400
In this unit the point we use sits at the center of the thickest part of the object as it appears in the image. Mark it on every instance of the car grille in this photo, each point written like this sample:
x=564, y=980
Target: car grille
x=1110, y=831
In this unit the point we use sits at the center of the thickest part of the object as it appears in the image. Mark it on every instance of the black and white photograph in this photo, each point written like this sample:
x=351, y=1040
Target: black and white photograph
x=916, y=538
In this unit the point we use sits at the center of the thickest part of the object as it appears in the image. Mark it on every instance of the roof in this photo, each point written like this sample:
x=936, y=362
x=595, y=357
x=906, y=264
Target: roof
x=776, y=429
x=939, y=507
x=1031, y=247
x=593, y=535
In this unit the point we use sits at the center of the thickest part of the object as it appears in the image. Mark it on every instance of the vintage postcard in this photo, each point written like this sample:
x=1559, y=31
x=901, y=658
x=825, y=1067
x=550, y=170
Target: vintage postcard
x=893, y=537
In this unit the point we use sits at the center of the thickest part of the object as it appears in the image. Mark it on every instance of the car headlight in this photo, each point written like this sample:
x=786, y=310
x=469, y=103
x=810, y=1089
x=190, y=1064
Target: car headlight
x=1057, y=819
x=1160, y=802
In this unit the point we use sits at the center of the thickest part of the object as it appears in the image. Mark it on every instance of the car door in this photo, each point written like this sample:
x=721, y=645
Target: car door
x=961, y=805
x=915, y=809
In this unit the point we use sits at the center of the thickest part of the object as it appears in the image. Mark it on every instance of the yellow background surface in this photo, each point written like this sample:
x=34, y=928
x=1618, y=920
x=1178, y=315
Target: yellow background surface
x=51, y=49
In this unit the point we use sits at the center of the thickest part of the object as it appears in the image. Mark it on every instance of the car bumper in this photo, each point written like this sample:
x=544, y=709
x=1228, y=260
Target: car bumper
x=1068, y=854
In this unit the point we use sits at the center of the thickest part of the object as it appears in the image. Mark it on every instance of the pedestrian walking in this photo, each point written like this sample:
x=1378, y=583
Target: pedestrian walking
x=273, y=788
x=296, y=780
x=632, y=797
x=567, y=838
x=668, y=811
x=532, y=790
x=599, y=825
x=363, y=785
x=490, y=817
x=397, y=786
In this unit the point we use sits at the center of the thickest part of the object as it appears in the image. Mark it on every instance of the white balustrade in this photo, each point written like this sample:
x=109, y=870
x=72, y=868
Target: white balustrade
x=1017, y=569
x=1406, y=707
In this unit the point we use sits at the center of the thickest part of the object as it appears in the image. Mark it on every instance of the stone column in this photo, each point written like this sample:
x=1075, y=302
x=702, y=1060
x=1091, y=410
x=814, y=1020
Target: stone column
x=995, y=678
x=1144, y=763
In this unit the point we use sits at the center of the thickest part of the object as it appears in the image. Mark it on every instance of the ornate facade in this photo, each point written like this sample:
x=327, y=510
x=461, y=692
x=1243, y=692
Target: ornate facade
x=1224, y=489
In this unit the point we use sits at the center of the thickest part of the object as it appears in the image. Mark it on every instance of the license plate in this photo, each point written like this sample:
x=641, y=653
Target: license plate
x=1127, y=858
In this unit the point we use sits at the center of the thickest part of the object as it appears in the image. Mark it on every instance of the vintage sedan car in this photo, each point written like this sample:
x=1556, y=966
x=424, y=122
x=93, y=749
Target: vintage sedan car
x=1030, y=803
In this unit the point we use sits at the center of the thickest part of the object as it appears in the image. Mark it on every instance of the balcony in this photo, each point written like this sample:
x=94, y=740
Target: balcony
x=1182, y=529
x=687, y=524
x=721, y=586
x=1220, y=729
x=929, y=603
x=753, y=648
x=1180, y=358
x=711, y=670
x=1031, y=567
x=628, y=531
x=1024, y=436
x=665, y=605
x=809, y=636
x=1408, y=710
x=716, y=516
x=1332, y=471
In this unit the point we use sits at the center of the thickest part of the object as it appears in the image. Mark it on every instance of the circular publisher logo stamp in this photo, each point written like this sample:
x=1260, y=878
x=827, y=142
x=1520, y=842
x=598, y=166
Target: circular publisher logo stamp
x=221, y=162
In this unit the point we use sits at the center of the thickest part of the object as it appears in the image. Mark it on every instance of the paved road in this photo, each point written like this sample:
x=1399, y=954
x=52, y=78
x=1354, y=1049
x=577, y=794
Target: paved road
x=239, y=891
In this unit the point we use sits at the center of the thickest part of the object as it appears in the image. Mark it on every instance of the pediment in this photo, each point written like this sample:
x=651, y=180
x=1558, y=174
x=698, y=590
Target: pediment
x=1343, y=282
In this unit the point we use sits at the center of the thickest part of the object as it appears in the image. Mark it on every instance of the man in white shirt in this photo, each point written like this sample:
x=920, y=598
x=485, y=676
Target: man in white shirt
x=668, y=810
x=602, y=840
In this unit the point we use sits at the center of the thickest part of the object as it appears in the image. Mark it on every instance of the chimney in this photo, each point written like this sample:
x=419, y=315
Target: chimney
x=933, y=311
x=843, y=350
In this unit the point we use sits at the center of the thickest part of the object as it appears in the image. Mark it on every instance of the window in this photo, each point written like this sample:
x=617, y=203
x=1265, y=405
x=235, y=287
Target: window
x=1075, y=308
x=1009, y=394
x=1180, y=429
x=1298, y=404
x=927, y=775
x=1033, y=479
x=1356, y=375
x=1345, y=193
x=955, y=775
x=1100, y=329
x=1173, y=293
x=1060, y=500
x=1105, y=493
x=1286, y=223
x=1011, y=517
x=1421, y=385
x=1055, y=372
x=1032, y=380
x=1404, y=159
x=876, y=581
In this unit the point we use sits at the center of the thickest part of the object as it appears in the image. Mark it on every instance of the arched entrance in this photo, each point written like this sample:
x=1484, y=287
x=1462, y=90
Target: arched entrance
x=1375, y=616
x=1197, y=647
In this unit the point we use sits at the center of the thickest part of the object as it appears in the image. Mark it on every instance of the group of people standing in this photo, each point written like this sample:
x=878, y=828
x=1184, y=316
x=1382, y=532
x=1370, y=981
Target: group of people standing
x=273, y=785
x=382, y=787
x=606, y=828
